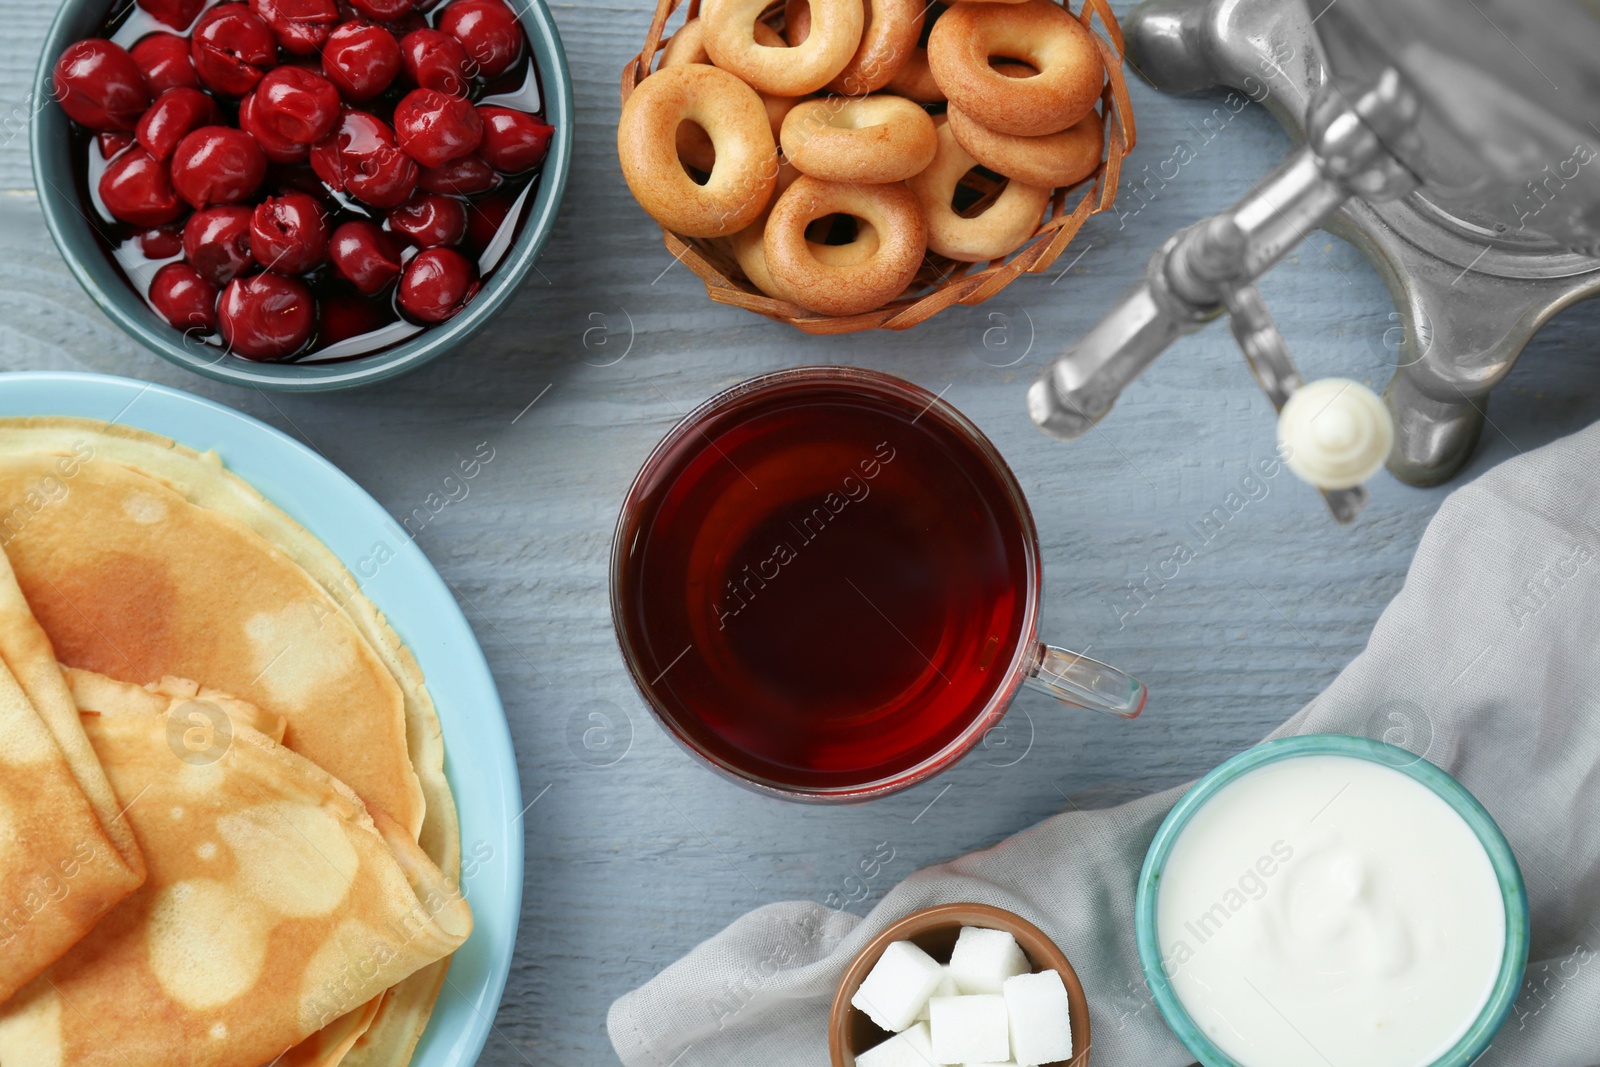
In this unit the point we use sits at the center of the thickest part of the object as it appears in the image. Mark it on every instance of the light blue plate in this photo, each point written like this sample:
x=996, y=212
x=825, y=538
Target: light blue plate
x=1512, y=964
x=478, y=755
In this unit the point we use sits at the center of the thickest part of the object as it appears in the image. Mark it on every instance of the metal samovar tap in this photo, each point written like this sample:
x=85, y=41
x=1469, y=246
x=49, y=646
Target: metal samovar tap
x=1443, y=150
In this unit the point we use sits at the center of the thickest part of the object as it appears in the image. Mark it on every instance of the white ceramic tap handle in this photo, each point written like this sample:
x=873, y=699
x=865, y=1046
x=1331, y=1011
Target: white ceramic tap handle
x=1337, y=433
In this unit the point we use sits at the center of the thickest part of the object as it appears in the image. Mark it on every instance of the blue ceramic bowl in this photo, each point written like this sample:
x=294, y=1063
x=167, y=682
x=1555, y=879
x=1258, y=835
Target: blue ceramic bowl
x=99, y=275
x=1512, y=964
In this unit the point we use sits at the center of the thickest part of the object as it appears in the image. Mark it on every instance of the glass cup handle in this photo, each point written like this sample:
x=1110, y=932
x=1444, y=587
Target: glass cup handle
x=1085, y=683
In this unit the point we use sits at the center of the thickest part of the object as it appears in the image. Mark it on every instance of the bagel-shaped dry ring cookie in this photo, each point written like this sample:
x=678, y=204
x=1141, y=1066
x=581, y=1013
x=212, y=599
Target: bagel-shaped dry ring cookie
x=740, y=244
x=731, y=40
x=1002, y=228
x=740, y=184
x=688, y=45
x=749, y=250
x=874, y=139
x=1040, y=33
x=694, y=147
x=915, y=80
x=892, y=210
x=889, y=36
x=1051, y=161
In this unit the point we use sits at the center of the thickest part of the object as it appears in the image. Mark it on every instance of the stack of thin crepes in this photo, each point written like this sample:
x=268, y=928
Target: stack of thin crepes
x=226, y=837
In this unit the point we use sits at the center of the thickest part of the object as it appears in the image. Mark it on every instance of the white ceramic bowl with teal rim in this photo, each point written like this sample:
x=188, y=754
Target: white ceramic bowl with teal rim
x=91, y=263
x=1512, y=963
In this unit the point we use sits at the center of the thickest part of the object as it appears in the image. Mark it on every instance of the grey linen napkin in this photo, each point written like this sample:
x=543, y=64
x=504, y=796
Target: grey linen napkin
x=1486, y=663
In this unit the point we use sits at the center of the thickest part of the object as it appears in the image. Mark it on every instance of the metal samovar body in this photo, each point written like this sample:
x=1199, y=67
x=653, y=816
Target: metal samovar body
x=1452, y=141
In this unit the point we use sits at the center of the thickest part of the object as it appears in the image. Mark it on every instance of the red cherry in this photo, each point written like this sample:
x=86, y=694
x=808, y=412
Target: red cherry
x=100, y=86
x=289, y=233
x=266, y=316
x=488, y=31
x=513, y=141
x=298, y=105
x=164, y=60
x=232, y=48
x=437, y=284
x=485, y=216
x=345, y=316
x=217, y=165
x=361, y=59
x=365, y=256
x=176, y=113
x=112, y=141
x=362, y=159
x=185, y=299
x=276, y=149
x=434, y=127
x=136, y=188
x=464, y=176
x=429, y=220
x=162, y=243
x=436, y=60
x=301, y=26
x=382, y=10
x=216, y=242
x=175, y=13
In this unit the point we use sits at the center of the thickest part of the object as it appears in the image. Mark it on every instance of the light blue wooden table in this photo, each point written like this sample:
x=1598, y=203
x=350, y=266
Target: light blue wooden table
x=634, y=853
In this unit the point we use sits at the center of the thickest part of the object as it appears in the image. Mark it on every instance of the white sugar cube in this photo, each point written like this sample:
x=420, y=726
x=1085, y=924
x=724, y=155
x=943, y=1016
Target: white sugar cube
x=984, y=959
x=947, y=988
x=969, y=1029
x=1008, y=1063
x=1041, y=1028
x=908, y=1048
x=898, y=986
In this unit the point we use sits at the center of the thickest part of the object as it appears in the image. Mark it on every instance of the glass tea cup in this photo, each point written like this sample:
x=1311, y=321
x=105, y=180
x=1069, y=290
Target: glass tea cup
x=825, y=583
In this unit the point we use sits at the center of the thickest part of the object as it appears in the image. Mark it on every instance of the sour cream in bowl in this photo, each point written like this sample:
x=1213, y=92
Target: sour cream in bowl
x=1331, y=900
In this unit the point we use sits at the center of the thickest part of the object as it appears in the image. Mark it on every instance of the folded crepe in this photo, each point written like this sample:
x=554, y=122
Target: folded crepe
x=132, y=581
x=277, y=901
x=66, y=858
x=143, y=559
x=97, y=694
x=59, y=871
x=92, y=692
x=330, y=1046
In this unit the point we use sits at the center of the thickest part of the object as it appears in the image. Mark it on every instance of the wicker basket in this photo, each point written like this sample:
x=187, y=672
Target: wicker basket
x=941, y=282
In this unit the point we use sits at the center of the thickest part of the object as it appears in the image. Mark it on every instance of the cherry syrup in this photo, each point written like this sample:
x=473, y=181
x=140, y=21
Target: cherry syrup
x=823, y=584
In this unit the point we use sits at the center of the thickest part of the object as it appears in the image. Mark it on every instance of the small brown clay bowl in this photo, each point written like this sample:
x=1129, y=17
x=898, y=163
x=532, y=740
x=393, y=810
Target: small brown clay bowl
x=934, y=930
